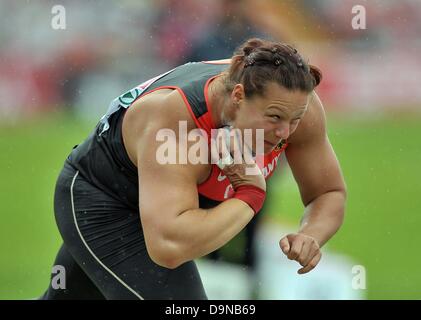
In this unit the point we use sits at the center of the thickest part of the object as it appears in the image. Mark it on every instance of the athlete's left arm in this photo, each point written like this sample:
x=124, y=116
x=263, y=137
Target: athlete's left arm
x=321, y=184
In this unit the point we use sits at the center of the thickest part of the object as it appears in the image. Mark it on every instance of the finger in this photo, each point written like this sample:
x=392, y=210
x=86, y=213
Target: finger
x=237, y=149
x=313, y=249
x=284, y=244
x=303, y=258
x=221, y=149
x=296, y=247
x=241, y=150
x=227, y=143
x=248, y=153
x=242, y=155
x=313, y=263
x=218, y=146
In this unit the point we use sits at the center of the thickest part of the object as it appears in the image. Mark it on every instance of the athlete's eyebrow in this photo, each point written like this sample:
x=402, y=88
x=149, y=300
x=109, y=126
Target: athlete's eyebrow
x=277, y=108
x=300, y=112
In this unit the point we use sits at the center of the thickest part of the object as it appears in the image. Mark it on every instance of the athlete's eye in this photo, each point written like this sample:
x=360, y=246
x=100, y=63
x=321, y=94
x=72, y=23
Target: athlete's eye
x=275, y=117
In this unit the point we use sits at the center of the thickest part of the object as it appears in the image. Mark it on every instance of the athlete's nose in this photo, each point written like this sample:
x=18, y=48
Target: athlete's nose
x=282, y=132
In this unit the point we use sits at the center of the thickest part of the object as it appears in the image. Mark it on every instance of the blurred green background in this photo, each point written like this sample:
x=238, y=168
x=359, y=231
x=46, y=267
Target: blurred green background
x=380, y=157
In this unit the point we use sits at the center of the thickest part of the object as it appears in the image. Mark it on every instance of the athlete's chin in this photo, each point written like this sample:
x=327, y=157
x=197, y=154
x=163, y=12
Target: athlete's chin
x=265, y=151
x=269, y=150
x=268, y=147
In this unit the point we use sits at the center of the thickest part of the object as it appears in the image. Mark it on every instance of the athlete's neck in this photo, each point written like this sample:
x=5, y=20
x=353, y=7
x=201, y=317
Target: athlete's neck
x=220, y=101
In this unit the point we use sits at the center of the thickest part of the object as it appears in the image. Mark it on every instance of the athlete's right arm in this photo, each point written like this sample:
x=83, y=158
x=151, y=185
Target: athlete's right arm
x=176, y=230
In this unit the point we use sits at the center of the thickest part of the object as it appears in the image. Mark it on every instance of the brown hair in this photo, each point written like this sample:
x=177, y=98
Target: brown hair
x=258, y=61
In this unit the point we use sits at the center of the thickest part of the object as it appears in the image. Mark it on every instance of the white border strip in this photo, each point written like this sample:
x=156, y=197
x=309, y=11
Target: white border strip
x=89, y=249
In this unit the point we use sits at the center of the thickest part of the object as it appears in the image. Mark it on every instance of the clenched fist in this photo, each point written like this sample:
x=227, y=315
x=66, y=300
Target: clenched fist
x=302, y=248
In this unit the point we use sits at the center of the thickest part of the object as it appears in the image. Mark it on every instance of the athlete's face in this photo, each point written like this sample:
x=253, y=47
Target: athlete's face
x=278, y=112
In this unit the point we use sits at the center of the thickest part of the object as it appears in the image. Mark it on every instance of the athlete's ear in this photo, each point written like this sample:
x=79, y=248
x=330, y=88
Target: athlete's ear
x=237, y=94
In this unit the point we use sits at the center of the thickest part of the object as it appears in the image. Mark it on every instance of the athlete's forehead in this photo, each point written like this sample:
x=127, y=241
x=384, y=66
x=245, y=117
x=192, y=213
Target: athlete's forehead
x=279, y=97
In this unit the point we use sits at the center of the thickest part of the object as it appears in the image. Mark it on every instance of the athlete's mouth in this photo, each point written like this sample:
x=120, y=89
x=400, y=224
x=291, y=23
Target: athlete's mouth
x=270, y=144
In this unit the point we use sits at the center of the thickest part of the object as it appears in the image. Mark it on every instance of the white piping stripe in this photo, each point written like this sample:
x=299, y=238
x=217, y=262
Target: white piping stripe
x=89, y=249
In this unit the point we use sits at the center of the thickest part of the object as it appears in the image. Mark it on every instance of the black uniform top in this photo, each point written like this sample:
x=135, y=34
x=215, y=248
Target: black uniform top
x=102, y=158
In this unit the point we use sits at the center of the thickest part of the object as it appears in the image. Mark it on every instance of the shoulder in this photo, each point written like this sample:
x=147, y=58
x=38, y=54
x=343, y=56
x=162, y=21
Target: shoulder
x=164, y=108
x=158, y=124
x=313, y=125
x=146, y=117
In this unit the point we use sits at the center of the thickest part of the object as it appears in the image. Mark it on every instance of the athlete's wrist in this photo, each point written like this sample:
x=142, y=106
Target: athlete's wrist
x=252, y=195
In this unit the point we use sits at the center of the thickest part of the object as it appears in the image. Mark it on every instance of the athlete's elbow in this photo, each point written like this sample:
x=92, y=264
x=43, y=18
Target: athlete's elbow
x=166, y=261
x=165, y=254
x=163, y=244
x=171, y=263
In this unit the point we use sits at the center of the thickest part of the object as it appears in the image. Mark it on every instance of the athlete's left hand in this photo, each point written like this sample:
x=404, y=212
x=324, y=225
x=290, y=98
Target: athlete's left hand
x=302, y=248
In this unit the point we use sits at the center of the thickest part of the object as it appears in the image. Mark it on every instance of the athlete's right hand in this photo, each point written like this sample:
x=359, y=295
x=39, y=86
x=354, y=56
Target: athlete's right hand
x=234, y=165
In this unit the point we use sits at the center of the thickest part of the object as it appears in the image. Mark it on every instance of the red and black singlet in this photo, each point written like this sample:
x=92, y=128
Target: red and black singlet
x=103, y=160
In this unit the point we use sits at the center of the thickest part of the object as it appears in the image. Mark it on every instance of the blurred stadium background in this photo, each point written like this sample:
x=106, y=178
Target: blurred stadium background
x=55, y=84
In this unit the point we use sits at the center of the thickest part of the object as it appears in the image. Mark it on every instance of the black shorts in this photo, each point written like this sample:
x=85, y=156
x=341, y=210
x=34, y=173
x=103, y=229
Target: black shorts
x=104, y=252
